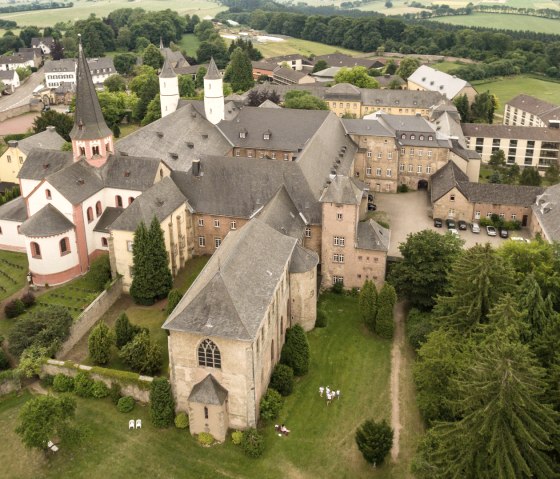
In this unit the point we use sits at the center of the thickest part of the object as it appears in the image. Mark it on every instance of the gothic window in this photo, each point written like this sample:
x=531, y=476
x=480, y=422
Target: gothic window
x=64, y=246
x=209, y=355
x=95, y=150
x=35, y=250
x=118, y=201
x=89, y=214
x=98, y=209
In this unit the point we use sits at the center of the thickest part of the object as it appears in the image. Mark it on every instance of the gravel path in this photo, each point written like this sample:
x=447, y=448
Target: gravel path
x=399, y=314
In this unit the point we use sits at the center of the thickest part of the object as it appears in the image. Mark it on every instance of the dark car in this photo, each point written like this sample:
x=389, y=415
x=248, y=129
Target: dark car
x=450, y=224
x=371, y=206
x=438, y=223
x=503, y=232
x=462, y=225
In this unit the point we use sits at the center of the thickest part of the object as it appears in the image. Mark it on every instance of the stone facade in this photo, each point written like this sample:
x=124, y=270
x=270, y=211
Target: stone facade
x=210, y=230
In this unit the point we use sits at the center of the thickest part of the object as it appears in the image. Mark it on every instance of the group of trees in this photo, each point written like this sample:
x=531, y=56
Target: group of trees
x=481, y=110
x=511, y=173
x=485, y=326
x=377, y=309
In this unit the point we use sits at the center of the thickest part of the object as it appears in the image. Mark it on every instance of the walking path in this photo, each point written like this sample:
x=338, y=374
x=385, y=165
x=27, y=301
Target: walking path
x=399, y=314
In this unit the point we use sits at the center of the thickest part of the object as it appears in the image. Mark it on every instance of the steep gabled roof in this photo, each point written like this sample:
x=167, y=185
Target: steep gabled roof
x=303, y=260
x=130, y=172
x=48, y=139
x=15, y=210
x=547, y=211
x=48, y=221
x=212, y=73
x=282, y=214
x=445, y=179
x=167, y=70
x=343, y=191
x=77, y=182
x=372, y=236
x=42, y=163
x=208, y=391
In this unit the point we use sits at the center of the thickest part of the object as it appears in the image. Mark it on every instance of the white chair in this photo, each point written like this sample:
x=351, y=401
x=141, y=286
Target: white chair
x=54, y=448
x=50, y=444
x=131, y=424
x=138, y=423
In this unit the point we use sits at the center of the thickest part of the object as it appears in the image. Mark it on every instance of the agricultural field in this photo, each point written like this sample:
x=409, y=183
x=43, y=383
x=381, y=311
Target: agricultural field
x=82, y=9
x=503, y=21
x=509, y=87
x=303, y=47
x=13, y=273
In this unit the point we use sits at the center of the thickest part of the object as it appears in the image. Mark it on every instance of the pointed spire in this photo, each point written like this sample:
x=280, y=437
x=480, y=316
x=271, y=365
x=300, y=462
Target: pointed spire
x=167, y=70
x=89, y=123
x=213, y=73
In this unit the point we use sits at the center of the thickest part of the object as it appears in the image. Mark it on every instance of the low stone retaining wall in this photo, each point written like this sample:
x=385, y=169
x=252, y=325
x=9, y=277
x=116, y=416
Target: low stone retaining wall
x=9, y=382
x=91, y=314
x=131, y=384
x=20, y=110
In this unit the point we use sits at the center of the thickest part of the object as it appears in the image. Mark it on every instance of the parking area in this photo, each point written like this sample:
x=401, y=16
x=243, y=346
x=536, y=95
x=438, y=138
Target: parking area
x=411, y=212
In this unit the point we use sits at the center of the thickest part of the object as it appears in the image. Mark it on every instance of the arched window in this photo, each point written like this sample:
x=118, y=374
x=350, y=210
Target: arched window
x=161, y=172
x=130, y=200
x=95, y=150
x=89, y=214
x=104, y=242
x=118, y=201
x=48, y=194
x=209, y=355
x=64, y=246
x=98, y=209
x=35, y=250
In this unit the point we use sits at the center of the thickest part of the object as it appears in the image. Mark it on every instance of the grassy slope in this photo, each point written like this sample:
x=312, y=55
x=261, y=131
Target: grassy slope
x=344, y=355
x=304, y=47
x=508, y=22
x=16, y=268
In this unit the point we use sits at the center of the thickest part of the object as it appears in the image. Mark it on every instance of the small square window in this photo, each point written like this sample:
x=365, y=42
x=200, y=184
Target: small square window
x=200, y=221
x=339, y=216
x=201, y=241
x=216, y=223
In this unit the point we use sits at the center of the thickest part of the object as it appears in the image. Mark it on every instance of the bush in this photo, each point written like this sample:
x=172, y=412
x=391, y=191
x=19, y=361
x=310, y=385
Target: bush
x=100, y=272
x=271, y=405
x=295, y=352
x=124, y=330
x=28, y=299
x=282, y=379
x=181, y=421
x=83, y=385
x=237, y=437
x=402, y=189
x=100, y=341
x=142, y=356
x=162, y=404
x=63, y=383
x=4, y=363
x=173, y=299
x=99, y=390
x=321, y=320
x=47, y=380
x=338, y=287
x=115, y=393
x=374, y=440
x=384, y=324
x=418, y=326
x=14, y=308
x=205, y=439
x=252, y=443
x=126, y=404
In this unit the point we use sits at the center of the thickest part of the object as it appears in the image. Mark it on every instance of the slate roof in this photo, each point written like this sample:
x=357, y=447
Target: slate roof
x=544, y=110
x=282, y=214
x=208, y=391
x=36, y=41
x=212, y=73
x=77, y=182
x=160, y=201
x=107, y=219
x=366, y=127
x=342, y=60
x=303, y=260
x=97, y=65
x=475, y=130
x=386, y=80
x=372, y=236
x=15, y=210
x=434, y=80
x=48, y=221
x=343, y=91
x=264, y=65
x=7, y=75
x=464, y=153
x=48, y=139
x=190, y=70
x=175, y=58
x=15, y=59
x=342, y=190
x=167, y=70
x=501, y=194
x=445, y=179
x=546, y=210
x=89, y=123
x=288, y=74
x=64, y=65
x=41, y=163
x=177, y=139
x=327, y=73
x=402, y=98
x=218, y=304
x=130, y=172
x=269, y=104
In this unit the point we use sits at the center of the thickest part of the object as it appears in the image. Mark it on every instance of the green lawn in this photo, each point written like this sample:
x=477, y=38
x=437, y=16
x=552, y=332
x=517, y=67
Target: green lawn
x=344, y=355
x=446, y=66
x=128, y=129
x=190, y=44
x=508, y=87
x=13, y=272
x=504, y=21
x=303, y=47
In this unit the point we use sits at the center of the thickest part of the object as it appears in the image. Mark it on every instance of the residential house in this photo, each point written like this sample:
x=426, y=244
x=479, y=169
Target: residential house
x=287, y=76
x=10, y=79
x=44, y=43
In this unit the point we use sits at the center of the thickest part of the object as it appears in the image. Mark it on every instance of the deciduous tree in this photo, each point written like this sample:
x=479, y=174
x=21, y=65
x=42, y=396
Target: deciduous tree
x=356, y=76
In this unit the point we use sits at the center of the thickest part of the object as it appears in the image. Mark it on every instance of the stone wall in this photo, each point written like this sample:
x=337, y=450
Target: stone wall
x=131, y=384
x=89, y=317
x=20, y=110
x=9, y=385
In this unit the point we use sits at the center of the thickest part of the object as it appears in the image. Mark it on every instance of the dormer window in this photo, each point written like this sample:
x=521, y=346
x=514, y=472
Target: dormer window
x=403, y=137
x=421, y=137
x=266, y=135
x=243, y=134
x=413, y=137
x=430, y=138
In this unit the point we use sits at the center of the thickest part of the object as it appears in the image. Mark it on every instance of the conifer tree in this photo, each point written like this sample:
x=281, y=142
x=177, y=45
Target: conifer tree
x=162, y=281
x=100, y=341
x=140, y=289
x=295, y=352
x=124, y=330
x=368, y=303
x=162, y=404
x=534, y=307
x=384, y=324
x=239, y=71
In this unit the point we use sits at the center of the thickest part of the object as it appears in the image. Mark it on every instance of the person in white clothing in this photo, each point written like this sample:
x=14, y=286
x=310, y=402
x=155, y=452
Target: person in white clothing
x=321, y=389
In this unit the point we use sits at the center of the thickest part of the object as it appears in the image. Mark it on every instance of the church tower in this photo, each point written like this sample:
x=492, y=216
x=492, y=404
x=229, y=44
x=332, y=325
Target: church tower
x=213, y=94
x=168, y=89
x=92, y=139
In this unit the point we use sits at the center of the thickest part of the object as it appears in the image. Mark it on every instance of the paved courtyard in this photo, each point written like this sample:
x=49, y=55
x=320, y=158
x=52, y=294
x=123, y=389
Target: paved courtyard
x=411, y=212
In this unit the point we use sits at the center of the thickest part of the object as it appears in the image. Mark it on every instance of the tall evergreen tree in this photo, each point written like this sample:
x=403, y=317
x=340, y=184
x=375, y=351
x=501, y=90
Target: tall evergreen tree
x=140, y=289
x=240, y=71
x=506, y=430
x=159, y=262
x=462, y=104
x=368, y=303
x=386, y=299
x=100, y=341
x=535, y=310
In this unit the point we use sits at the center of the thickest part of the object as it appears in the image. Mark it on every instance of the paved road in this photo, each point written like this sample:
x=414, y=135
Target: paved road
x=23, y=94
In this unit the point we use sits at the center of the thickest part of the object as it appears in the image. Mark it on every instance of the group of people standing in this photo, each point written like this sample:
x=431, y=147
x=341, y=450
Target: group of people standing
x=329, y=393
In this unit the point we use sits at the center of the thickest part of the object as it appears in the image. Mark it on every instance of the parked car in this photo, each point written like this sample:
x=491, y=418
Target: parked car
x=475, y=228
x=450, y=223
x=490, y=231
x=371, y=207
x=462, y=225
x=453, y=231
x=519, y=239
x=438, y=223
x=503, y=232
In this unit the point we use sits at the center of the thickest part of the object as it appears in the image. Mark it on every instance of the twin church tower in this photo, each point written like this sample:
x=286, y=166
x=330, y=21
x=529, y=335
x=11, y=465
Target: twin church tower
x=213, y=92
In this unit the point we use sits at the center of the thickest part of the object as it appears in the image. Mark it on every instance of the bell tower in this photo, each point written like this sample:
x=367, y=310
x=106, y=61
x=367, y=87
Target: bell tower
x=168, y=89
x=213, y=94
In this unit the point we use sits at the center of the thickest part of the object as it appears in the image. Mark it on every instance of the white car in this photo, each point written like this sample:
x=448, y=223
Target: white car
x=490, y=231
x=453, y=231
x=519, y=239
x=475, y=228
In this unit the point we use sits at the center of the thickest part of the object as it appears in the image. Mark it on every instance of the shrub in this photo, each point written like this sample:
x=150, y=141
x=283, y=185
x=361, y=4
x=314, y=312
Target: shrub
x=14, y=308
x=205, y=439
x=115, y=393
x=47, y=380
x=124, y=330
x=252, y=443
x=338, y=287
x=321, y=320
x=384, y=324
x=374, y=440
x=100, y=272
x=181, y=421
x=141, y=355
x=99, y=390
x=282, y=379
x=83, y=385
x=4, y=363
x=402, y=189
x=237, y=437
x=100, y=341
x=28, y=299
x=126, y=404
x=271, y=404
x=295, y=352
x=63, y=383
x=173, y=299
x=418, y=326
x=162, y=404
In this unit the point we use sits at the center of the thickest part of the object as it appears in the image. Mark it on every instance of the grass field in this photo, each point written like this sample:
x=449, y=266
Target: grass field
x=508, y=87
x=503, y=21
x=13, y=272
x=446, y=66
x=343, y=355
x=303, y=47
x=190, y=44
x=82, y=9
